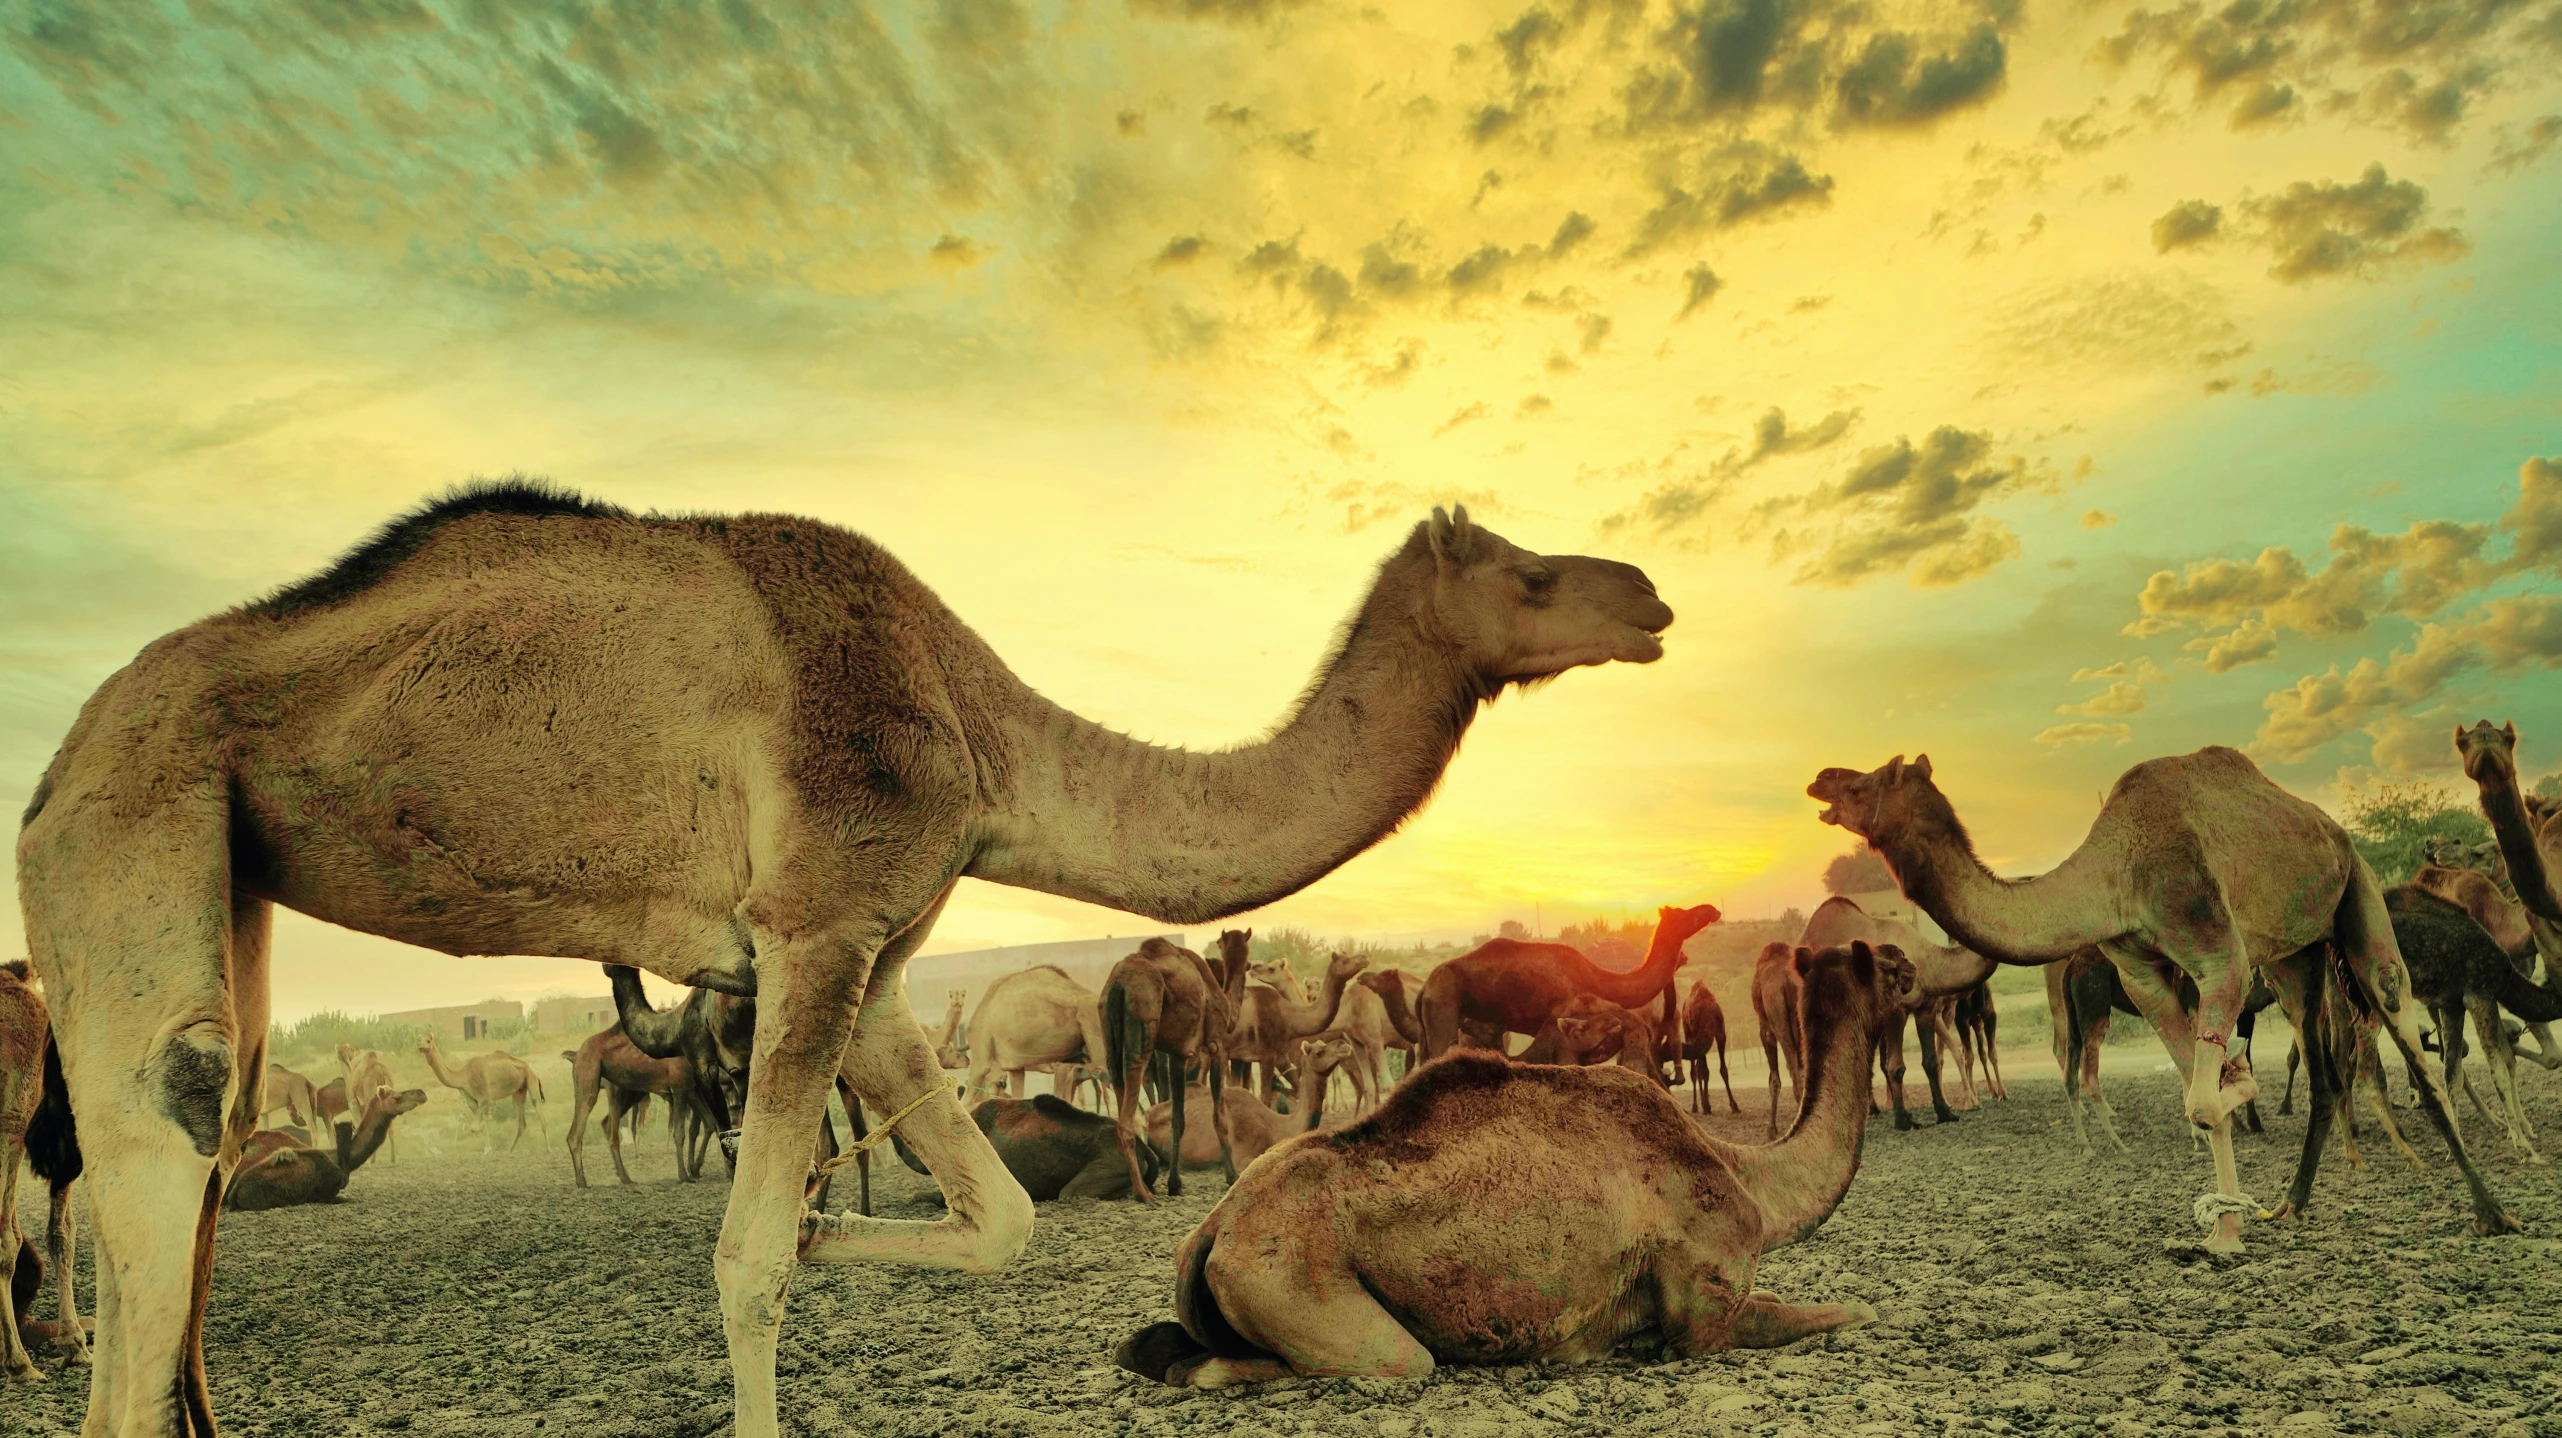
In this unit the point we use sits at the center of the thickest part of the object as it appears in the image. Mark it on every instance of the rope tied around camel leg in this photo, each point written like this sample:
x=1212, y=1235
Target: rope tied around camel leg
x=730, y=1137
x=2212, y=1206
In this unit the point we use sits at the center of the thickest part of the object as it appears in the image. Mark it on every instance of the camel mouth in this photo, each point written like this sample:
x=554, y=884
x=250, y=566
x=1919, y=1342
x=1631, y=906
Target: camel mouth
x=1831, y=814
x=1646, y=646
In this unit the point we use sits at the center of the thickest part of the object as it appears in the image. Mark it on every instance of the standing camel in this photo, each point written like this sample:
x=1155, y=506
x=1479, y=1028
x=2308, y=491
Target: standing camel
x=951, y=1050
x=1035, y=1018
x=1774, y=1012
x=609, y=1063
x=1163, y=1010
x=1703, y=1028
x=486, y=1081
x=746, y=752
x=36, y=1130
x=1943, y=971
x=367, y=1077
x=1276, y=1019
x=1513, y=986
x=291, y=1092
x=2197, y=866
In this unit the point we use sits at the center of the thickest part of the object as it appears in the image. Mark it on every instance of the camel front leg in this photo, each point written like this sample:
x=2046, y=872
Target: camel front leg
x=2501, y=1057
x=1934, y=1053
x=2152, y=986
x=62, y=1237
x=1890, y=1059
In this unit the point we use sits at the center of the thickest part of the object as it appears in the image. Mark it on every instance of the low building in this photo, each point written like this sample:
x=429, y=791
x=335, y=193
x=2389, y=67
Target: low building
x=463, y=1023
x=562, y=1014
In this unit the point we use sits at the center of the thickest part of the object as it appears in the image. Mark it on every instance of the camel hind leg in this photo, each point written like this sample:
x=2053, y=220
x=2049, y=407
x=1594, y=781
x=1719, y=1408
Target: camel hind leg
x=2501, y=1058
x=1312, y=1319
x=2363, y=931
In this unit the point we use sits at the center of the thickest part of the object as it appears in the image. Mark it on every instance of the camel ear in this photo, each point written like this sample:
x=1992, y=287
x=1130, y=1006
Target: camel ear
x=1805, y=961
x=2511, y=729
x=1921, y=766
x=1894, y=771
x=1454, y=540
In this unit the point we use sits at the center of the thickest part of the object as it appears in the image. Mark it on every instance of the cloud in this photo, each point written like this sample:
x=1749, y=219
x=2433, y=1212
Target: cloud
x=1891, y=85
x=2097, y=519
x=2248, y=642
x=2361, y=229
x=2084, y=733
x=2148, y=319
x=2190, y=222
x=1906, y=505
x=2140, y=669
x=1465, y=414
x=1699, y=285
x=2517, y=151
x=1181, y=250
x=1749, y=183
x=2122, y=697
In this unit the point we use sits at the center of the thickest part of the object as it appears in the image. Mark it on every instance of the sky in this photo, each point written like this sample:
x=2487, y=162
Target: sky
x=2041, y=386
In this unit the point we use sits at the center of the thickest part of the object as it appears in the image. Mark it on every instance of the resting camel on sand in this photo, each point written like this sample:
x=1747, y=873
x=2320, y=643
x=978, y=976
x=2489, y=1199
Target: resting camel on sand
x=1163, y=1010
x=951, y=1050
x=291, y=1092
x=485, y=1081
x=1035, y=1018
x=1494, y=1212
x=36, y=1130
x=1052, y=1148
x=611, y=1064
x=1252, y=1125
x=746, y=752
x=1276, y=1018
x=2197, y=866
x=1513, y=986
x=277, y=1171
x=1944, y=972
x=1703, y=1027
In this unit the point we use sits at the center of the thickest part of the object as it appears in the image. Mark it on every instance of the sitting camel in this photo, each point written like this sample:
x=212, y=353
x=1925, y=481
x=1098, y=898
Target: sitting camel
x=1035, y=1018
x=1054, y=1149
x=1703, y=1027
x=1512, y=986
x=611, y=1064
x=1588, y=1030
x=1162, y=1009
x=277, y=1171
x=36, y=1128
x=366, y=1075
x=2199, y=866
x=1253, y=1126
x=1495, y=1212
x=1774, y=1011
x=486, y=1081
x=291, y=1092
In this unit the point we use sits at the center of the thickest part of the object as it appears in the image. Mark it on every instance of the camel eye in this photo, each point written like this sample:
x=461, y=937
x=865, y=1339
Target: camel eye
x=1539, y=582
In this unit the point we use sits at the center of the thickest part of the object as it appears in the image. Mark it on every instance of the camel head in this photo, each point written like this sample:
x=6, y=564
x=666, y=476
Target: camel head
x=1516, y=617
x=1880, y=979
x=347, y=1054
x=2483, y=747
x=1876, y=805
x=1345, y=967
x=1685, y=922
x=1320, y=1054
x=396, y=1103
x=1269, y=972
x=1585, y=1034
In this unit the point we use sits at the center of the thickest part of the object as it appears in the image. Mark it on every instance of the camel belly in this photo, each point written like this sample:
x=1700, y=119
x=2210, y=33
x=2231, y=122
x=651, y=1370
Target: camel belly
x=1569, y=1293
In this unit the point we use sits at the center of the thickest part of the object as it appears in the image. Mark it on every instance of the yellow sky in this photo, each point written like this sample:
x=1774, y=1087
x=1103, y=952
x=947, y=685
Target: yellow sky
x=1141, y=331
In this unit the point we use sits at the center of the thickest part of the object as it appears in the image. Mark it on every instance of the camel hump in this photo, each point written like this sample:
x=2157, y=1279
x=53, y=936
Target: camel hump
x=369, y=563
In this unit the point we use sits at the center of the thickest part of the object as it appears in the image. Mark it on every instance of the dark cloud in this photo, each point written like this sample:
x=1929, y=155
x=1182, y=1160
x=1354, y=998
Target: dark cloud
x=2360, y=229
x=1747, y=184
x=1533, y=404
x=2265, y=104
x=2517, y=151
x=1892, y=84
x=1481, y=272
x=1232, y=12
x=1385, y=274
x=1912, y=507
x=1693, y=489
x=1181, y=250
x=2190, y=222
x=1573, y=230
x=1591, y=331
x=1465, y=414
x=1699, y=285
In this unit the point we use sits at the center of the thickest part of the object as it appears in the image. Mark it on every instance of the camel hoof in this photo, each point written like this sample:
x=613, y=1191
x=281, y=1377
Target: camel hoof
x=2496, y=1222
x=1947, y=1116
x=27, y=1376
x=1904, y=1123
x=1153, y=1351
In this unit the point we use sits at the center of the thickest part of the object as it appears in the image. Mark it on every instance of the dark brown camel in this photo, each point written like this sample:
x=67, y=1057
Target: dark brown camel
x=1774, y=1009
x=1514, y=987
x=1164, y=1009
x=1052, y=1147
x=1586, y=1030
x=36, y=1127
x=277, y=1171
x=611, y=1064
x=1703, y=1027
x=1979, y=1034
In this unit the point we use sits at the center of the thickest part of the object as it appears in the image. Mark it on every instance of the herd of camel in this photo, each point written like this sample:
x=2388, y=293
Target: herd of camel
x=753, y=754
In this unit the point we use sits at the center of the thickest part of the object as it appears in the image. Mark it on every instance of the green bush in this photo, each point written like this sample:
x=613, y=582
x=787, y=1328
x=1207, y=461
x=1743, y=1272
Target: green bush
x=2392, y=824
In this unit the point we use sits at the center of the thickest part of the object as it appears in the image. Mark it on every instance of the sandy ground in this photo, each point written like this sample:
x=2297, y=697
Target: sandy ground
x=2022, y=1288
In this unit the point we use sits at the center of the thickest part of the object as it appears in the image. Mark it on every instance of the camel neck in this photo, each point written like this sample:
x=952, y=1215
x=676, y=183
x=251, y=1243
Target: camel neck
x=1188, y=837
x=368, y=1136
x=1799, y=1180
x=435, y=1065
x=2506, y=809
x=659, y=1035
x=1940, y=971
x=1650, y=978
x=2019, y=921
x=1307, y=1016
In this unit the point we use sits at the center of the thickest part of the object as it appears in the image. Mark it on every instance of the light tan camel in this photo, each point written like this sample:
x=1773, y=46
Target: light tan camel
x=950, y=1050
x=748, y=752
x=1033, y=1019
x=294, y=1094
x=1774, y=1012
x=367, y=1077
x=1277, y=1018
x=1163, y=1010
x=1252, y=1126
x=35, y=1131
x=1365, y=1022
x=486, y=1081
x=1944, y=971
x=2196, y=866
x=1703, y=1030
x=1591, y=1030
x=1498, y=1212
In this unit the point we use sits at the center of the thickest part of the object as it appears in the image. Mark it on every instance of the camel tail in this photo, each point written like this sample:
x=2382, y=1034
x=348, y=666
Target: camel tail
x=1125, y=1033
x=53, y=1135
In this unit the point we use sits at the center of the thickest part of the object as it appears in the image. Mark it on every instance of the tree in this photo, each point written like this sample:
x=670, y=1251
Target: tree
x=1513, y=929
x=2392, y=823
x=1858, y=872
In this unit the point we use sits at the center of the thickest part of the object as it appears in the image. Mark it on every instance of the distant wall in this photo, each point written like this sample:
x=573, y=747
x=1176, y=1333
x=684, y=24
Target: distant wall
x=461, y=1023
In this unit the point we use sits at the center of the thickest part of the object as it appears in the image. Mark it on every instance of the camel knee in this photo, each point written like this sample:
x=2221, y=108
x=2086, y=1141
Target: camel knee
x=999, y=1230
x=192, y=1072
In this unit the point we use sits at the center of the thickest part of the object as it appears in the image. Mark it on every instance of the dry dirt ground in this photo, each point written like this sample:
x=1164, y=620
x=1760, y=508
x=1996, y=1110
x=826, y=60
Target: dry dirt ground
x=2022, y=1288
